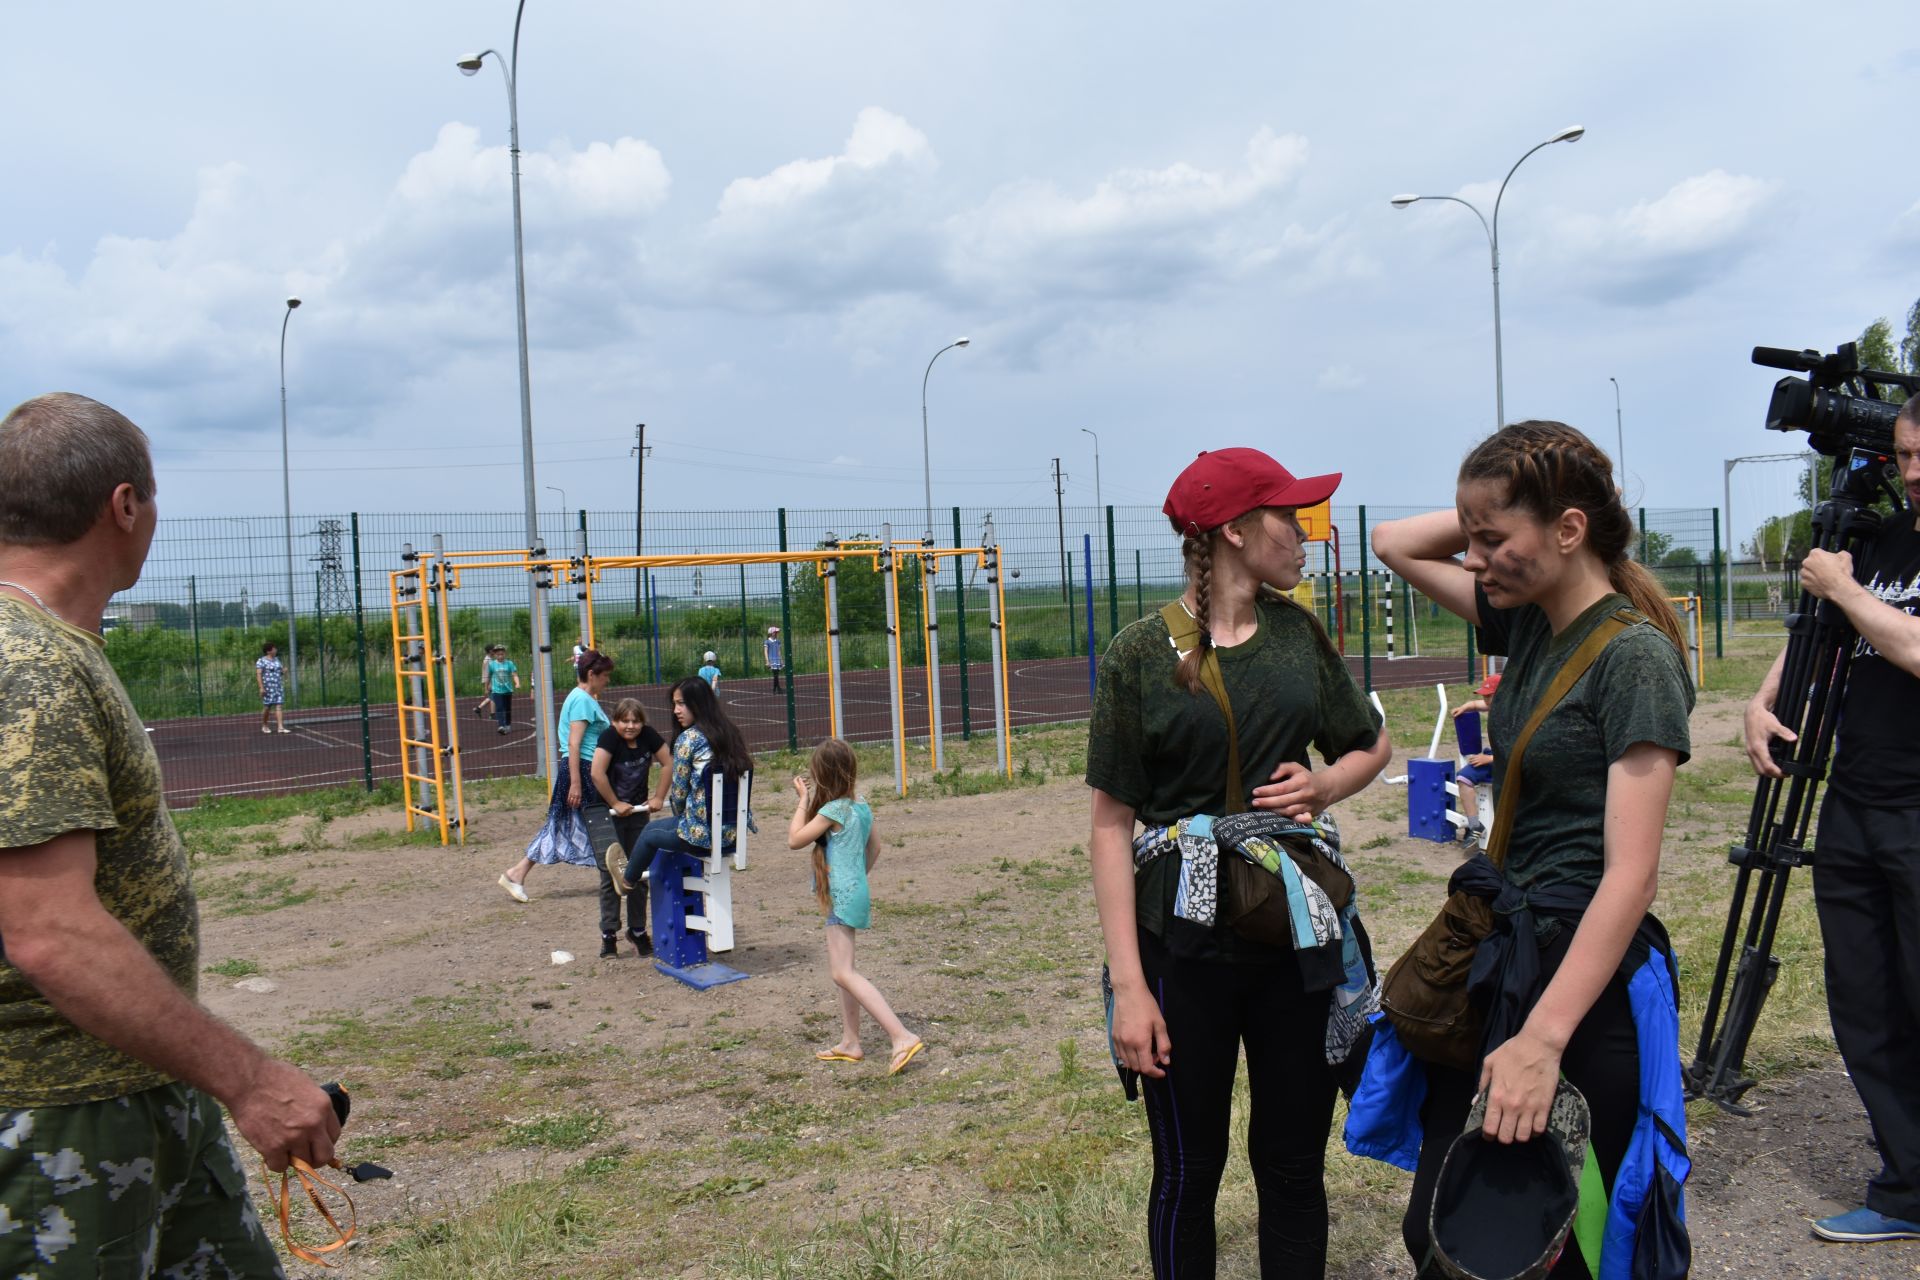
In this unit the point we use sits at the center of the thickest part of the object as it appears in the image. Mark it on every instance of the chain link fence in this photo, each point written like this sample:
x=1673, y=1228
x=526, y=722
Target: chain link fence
x=216, y=589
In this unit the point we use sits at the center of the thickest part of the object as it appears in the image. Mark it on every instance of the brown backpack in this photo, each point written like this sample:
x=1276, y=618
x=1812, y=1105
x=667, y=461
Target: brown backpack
x=1425, y=994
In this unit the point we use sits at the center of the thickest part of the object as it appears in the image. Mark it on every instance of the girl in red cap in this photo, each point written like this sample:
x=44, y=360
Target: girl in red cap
x=1545, y=539
x=1187, y=989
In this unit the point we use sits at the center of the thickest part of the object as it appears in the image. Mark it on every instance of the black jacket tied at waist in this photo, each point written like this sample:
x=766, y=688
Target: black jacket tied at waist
x=1505, y=977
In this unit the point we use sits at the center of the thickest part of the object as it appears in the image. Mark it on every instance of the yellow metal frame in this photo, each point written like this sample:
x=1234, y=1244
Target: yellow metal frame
x=433, y=588
x=1699, y=634
x=425, y=674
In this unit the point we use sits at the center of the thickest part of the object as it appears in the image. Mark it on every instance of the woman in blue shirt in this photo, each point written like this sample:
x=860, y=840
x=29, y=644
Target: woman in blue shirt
x=564, y=837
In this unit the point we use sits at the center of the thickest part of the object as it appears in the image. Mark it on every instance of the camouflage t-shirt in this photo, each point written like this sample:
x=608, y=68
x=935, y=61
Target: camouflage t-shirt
x=76, y=758
x=1636, y=691
x=1163, y=751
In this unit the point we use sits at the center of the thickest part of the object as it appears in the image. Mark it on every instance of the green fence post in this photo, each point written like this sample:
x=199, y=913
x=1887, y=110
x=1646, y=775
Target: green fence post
x=320, y=641
x=786, y=640
x=199, y=684
x=746, y=663
x=1139, y=588
x=1719, y=597
x=1643, y=536
x=1113, y=580
x=919, y=618
x=1470, y=680
x=360, y=643
x=1366, y=611
x=1073, y=648
x=960, y=625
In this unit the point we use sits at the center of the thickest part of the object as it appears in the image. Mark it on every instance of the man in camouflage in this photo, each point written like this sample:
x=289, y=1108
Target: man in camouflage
x=113, y=1157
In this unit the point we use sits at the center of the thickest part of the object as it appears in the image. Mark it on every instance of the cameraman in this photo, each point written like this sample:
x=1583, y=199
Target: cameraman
x=1866, y=867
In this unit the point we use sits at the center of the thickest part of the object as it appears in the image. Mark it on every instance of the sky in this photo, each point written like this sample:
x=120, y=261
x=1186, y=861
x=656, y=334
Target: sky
x=751, y=226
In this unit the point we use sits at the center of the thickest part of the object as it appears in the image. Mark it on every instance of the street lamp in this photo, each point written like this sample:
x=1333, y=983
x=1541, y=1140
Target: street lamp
x=542, y=659
x=1619, y=438
x=563, y=503
x=1571, y=134
x=1098, y=504
x=926, y=455
x=286, y=498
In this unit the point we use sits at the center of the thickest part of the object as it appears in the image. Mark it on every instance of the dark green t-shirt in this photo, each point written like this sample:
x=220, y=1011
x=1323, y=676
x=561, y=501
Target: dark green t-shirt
x=1636, y=691
x=1163, y=751
x=77, y=758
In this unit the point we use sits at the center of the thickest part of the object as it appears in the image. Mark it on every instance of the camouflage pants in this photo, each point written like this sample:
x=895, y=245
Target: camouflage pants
x=136, y=1186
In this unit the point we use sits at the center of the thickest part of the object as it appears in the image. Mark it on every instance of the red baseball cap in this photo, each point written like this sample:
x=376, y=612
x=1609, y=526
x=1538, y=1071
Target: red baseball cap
x=1488, y=685
x=1224, y=484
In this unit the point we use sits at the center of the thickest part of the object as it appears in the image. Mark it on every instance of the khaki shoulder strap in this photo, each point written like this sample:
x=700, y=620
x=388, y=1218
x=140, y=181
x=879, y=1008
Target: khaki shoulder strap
x=1184, y=631
x=1507, y=803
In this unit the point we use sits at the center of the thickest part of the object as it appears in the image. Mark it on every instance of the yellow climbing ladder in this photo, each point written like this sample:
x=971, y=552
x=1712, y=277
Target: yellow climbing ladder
x=423, y=794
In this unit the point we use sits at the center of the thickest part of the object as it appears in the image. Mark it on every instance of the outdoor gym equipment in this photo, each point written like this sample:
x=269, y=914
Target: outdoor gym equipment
x=424, y=687
x=691, y=910
x=1431, y=782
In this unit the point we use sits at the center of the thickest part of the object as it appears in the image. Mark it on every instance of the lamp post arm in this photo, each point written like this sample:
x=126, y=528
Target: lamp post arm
x=1495, y=231
x=926, y=447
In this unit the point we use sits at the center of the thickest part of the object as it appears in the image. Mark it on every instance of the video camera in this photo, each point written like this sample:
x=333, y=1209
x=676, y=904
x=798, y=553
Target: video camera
x=1839, y=405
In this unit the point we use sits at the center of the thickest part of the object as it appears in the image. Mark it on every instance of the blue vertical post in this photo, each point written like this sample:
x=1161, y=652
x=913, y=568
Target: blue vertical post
x=1093, y=658
x=653, y=615
x=1366, y=610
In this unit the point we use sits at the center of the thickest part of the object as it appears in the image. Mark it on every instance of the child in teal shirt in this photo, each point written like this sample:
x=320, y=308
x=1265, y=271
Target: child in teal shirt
x=832, y=818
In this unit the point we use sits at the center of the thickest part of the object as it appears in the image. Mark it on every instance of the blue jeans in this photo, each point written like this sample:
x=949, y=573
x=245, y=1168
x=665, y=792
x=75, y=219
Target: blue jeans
x=662, y=833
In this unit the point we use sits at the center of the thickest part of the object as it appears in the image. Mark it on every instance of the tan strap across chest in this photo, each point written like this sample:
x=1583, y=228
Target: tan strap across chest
x=1184, y=630
x=1507, y=803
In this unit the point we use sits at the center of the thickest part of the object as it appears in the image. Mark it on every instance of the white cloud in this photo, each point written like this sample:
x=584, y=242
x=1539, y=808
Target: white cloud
x=1668, y=246
x=880, y=140
x=1139, y=231
x=625, y=178
x=1340, y=377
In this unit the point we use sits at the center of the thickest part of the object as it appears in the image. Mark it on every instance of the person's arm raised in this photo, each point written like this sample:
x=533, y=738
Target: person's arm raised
x=1422, y=549
x=99, y=977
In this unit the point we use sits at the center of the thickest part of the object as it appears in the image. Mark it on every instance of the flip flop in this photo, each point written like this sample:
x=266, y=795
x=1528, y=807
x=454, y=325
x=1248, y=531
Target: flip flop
x=902, y=1057
x=834, y=1055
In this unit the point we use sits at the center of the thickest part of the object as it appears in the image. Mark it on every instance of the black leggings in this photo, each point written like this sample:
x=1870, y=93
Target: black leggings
x=1211, y=1009
x=1602, y=1061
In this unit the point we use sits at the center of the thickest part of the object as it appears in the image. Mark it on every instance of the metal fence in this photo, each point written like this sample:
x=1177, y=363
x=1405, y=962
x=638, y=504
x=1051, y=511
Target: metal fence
x=215, y=589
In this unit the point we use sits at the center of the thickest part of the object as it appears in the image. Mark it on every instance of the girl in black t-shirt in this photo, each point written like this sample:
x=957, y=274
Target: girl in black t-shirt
x=1545, y=538
x=1187, y=995
x=626, y=754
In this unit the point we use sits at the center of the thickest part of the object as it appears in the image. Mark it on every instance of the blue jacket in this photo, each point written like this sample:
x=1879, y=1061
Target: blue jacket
x=1642, y=1235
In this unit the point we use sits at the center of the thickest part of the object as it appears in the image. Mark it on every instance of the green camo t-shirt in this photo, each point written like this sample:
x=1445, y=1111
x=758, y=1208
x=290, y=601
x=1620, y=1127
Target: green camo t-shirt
x=76, y=758
x=1636, y=691
x=1163, y=751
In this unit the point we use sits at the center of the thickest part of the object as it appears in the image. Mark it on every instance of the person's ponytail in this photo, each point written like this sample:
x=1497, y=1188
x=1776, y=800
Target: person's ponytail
x=1637, y=583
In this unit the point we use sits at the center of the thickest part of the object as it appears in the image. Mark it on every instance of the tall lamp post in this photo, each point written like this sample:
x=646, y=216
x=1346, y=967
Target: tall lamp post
x=1571, y=134
x=926, y=452
x=286, y=499
x=536, y=591
x=1619, y=438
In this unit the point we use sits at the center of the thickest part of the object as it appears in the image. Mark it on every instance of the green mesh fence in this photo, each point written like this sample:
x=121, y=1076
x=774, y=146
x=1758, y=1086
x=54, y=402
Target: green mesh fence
x=214, y=590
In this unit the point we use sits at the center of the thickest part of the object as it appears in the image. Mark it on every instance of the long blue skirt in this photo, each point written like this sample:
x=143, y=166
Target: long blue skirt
x=564, y=836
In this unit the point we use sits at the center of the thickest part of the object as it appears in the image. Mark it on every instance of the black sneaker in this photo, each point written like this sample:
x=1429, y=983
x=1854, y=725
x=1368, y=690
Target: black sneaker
x=609, y=946
x=641, y=942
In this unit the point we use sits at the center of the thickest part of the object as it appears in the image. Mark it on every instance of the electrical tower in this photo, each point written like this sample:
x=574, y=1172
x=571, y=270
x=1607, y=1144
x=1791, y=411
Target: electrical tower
x=336, y=585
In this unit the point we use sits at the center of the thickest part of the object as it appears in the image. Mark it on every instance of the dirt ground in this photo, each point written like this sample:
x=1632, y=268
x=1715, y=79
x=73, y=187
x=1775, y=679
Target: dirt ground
x=478, y=1063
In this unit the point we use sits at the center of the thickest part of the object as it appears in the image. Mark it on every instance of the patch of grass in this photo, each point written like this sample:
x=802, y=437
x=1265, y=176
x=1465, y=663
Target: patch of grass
x=252, y=895
x=567, y=1132
x=225, y=813
x=529, y=1228
x=1378, y=842
x=234, y=967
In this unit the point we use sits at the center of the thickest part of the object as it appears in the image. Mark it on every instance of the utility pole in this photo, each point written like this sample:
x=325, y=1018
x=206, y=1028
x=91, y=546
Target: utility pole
x=1060, y=514
x=640, y=452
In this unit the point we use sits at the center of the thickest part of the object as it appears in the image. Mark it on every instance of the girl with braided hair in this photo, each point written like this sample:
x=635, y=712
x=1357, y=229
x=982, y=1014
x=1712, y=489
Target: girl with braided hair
x=1188, y=989
x=1545, y=538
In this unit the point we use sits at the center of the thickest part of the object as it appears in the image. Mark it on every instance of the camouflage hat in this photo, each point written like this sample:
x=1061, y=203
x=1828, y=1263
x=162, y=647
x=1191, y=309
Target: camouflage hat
x=1502, y=1211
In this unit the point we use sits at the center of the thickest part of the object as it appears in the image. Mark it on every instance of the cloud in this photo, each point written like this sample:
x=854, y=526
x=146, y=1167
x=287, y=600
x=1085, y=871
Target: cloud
x=1670, y=246
x=1139, y=231
x=1340, y=377
x=622, y=179
x=814, y=234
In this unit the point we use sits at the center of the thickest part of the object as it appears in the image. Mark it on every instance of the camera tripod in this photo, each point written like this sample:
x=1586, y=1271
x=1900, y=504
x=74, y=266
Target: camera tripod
x=1813, y=678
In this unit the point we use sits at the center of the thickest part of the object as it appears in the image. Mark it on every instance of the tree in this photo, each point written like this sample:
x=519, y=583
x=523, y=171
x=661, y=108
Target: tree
x=858, y=589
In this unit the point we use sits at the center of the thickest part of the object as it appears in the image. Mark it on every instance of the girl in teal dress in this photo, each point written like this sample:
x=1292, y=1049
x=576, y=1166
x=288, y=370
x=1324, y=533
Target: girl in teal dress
x=832, y=818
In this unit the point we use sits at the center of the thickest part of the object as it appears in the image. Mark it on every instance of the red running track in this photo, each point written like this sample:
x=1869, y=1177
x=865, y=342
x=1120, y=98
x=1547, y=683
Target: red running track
x=228, y=755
